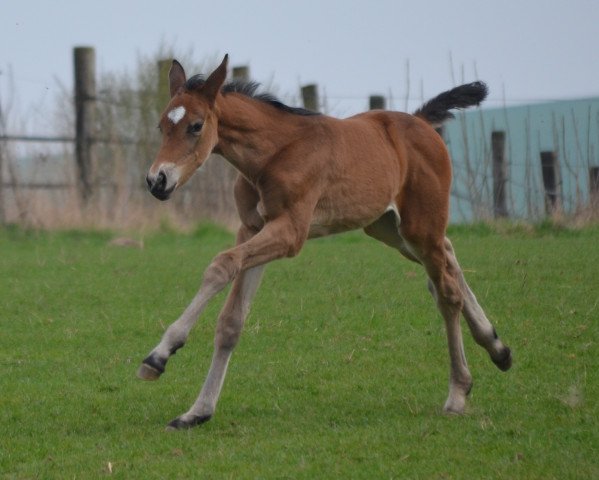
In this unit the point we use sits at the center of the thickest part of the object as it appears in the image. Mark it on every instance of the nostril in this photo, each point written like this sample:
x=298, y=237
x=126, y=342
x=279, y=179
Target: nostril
x=158, y=185
x=161, y=181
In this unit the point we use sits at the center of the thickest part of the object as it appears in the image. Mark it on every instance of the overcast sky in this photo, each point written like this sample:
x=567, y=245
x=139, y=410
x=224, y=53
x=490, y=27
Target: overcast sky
x=526, y=50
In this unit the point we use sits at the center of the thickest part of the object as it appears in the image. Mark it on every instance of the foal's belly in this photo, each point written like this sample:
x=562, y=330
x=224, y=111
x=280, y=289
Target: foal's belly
x=338, y=217
x=320, y=230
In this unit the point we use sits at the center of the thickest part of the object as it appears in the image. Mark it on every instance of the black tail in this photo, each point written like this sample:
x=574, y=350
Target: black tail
x=437, y=110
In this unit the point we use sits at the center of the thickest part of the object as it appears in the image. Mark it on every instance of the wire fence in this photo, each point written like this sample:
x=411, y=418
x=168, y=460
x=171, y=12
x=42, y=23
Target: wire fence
x=95, y=177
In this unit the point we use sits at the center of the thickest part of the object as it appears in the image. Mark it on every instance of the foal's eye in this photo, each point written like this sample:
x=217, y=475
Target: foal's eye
x=195, y=128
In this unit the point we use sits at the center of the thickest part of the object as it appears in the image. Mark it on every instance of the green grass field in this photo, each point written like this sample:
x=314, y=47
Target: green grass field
x=341, y=371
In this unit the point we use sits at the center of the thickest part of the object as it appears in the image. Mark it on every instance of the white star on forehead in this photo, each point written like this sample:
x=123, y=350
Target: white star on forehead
x=176, y=114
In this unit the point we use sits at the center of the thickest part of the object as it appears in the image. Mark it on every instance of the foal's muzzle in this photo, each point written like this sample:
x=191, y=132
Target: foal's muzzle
x=158, y=186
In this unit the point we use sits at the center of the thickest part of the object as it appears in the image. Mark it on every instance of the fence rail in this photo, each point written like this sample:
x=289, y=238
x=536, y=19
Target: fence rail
x=36, y=139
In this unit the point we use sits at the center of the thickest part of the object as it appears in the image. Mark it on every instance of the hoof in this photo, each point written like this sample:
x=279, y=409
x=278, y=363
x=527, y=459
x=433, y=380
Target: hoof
x=454, y=408
x=180, y=424
x=151, y=367
x=504, y=362
x=147, y=372
x=456, y=401
x=452, y=413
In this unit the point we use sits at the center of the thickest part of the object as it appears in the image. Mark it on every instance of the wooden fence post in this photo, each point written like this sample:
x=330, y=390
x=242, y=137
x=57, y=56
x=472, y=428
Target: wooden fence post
x=551, y=181
x=241, y=72
x=499, y=174
x=310, y=97
x=2, y=149
x=2, y=212
x=85, y=96
x=594, y=186
x=164, y=92
x=376, y=102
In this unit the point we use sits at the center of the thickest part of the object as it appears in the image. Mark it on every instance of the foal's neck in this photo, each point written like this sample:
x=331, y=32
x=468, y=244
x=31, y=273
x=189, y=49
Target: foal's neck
x=252, y=132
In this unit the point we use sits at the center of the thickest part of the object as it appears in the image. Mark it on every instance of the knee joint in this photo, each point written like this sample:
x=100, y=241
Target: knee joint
x=227, y=333
x=222, y=270
x=453, y=299
x=294, y=244
x=294, y=248
x=450, y=294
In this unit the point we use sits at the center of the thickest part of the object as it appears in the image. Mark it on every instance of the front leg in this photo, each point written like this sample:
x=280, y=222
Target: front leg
x=274, y=241
x=176, y=334
x=229, y=326
x=279, y=238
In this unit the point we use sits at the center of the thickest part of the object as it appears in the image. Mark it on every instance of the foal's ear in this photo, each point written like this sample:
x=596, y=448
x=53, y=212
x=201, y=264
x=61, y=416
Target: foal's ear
x=176, y=77
x=215, y=81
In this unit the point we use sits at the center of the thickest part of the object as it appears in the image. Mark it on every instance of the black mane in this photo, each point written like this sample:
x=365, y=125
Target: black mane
x=250, y=89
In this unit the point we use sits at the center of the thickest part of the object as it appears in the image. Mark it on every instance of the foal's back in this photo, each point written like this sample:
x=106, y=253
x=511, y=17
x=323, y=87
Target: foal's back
x=372, y=162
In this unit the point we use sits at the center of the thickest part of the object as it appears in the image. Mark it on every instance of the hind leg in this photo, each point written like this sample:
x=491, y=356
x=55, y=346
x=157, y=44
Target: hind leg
x=446, y=290
x=481, y=328
x=450, y=300
x=386, y=230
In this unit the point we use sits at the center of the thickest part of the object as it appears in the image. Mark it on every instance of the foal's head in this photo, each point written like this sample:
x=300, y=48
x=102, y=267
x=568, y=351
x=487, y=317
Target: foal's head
x=189, y=129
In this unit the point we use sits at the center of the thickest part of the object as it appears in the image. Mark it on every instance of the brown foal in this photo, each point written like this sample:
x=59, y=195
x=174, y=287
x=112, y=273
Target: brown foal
x=304, y=175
